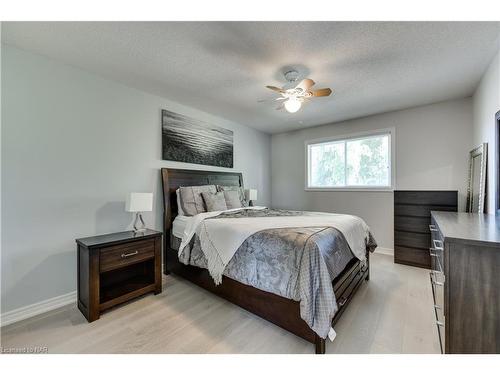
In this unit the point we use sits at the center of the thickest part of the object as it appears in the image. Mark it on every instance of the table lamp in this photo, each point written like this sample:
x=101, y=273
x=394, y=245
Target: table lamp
x=251, y=195
x=139, y=202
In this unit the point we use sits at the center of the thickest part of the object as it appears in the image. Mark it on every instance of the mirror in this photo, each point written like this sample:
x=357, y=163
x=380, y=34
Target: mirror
x=476, y=190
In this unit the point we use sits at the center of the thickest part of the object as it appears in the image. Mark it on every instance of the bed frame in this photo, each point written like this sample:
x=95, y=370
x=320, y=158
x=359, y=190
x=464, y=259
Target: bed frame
x=279, y=310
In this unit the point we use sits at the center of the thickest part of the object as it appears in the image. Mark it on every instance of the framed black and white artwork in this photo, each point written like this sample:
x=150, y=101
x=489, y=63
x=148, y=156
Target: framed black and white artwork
x=189, y=140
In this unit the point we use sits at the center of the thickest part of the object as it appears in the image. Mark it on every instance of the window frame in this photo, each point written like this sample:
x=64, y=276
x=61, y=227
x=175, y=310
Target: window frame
x=391, y=132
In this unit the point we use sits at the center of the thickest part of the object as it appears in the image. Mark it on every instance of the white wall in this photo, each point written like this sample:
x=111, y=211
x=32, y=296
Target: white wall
x=486, y=102
x=432, y=144
x=73, y=146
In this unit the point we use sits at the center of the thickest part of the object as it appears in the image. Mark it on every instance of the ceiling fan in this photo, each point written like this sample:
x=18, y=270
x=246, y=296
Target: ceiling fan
x=293, y=98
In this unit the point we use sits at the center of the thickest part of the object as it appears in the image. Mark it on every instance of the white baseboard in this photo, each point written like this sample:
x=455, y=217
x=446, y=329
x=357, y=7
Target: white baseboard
x=385, y=251
x=38, y=308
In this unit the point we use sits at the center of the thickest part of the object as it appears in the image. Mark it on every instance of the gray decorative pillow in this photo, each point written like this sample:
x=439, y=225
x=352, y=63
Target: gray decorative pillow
x=239, y=189
x=232, y=199
x=191, y=199
x=214, y=202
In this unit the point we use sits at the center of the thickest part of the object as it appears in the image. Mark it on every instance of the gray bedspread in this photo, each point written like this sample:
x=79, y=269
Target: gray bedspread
x=295, y=263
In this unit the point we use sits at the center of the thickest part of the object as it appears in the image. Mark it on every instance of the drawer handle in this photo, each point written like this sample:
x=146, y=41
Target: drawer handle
x=437, y=283
x=432, y=228
x=438, y=259
x=435, y=249
x=342, y=301
x=439, y=324
x=437, y=307
x=130, y=254
x=438, y=245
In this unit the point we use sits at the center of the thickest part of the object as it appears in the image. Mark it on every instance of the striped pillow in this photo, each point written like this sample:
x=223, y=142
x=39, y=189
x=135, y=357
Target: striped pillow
x=191, y=200
x=238, y=189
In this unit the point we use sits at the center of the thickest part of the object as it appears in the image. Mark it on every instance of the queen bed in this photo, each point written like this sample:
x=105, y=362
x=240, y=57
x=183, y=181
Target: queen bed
x=298, y=270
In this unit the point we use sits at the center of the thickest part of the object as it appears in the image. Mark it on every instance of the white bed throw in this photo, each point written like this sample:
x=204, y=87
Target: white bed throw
x=221, y=238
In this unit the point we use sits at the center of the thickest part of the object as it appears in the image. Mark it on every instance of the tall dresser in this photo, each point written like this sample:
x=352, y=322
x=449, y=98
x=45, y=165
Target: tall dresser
x=412, y=216
x=465, y=280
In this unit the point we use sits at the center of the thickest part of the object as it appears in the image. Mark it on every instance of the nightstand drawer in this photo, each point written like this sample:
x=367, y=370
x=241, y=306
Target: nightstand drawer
x=122, y=255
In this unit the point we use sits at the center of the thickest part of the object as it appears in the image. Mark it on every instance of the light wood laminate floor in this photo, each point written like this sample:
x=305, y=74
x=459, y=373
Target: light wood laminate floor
x=392, y=313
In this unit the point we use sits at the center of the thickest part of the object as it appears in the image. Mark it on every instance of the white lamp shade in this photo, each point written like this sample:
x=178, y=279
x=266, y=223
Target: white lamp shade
x=139, y=202
x=251, y=194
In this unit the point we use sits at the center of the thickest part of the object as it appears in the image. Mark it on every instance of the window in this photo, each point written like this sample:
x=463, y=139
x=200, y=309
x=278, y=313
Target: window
x=354, y=162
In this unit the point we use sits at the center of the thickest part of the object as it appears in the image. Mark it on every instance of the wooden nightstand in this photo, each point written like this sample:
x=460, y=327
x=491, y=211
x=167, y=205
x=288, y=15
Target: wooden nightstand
x=115, y=268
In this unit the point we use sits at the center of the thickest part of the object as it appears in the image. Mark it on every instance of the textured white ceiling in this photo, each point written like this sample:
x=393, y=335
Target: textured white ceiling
x=222, y=67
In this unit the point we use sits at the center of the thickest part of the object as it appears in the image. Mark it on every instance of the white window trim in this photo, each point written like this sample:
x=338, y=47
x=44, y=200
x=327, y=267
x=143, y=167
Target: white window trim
x=365, y=134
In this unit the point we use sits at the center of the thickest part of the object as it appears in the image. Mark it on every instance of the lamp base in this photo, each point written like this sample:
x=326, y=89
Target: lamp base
x=139, y=226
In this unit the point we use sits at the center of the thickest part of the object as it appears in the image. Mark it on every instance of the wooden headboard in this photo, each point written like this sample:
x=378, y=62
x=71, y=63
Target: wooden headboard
x=172, y=179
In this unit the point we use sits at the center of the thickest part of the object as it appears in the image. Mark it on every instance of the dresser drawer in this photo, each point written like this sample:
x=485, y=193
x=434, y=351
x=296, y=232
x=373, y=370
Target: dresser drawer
x=421, y=210
x=436, y=261
x=409, y=239
x=435, y=233
x=436, y=249
x=412, y=256
x=122, y=255
x=438, y=285
x=412, y=224
x=426, y=197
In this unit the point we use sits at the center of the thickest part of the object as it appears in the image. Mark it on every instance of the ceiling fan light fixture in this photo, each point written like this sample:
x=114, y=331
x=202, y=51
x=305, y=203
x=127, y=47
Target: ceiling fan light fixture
x=292, y=105
x=292, y=98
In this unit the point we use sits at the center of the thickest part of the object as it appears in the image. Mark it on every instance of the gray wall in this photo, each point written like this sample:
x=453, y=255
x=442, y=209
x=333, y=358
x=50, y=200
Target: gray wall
x=432, y=144
x=73, y=146
x=486, y=102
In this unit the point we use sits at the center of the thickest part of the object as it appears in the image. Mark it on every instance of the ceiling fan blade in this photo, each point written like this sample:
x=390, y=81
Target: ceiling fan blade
x=274, y=88
x=271, y=100
x=305, y=84
x=321, y=92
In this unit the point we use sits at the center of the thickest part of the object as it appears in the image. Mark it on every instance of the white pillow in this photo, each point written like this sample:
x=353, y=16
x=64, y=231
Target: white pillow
x=179, y=207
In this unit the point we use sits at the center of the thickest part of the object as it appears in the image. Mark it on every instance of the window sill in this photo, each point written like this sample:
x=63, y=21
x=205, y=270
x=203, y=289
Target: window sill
x=373, y=189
